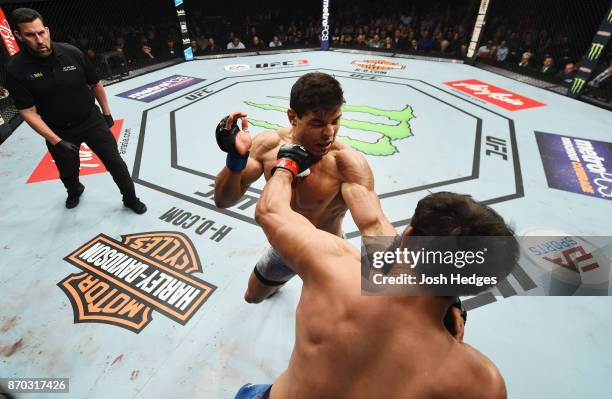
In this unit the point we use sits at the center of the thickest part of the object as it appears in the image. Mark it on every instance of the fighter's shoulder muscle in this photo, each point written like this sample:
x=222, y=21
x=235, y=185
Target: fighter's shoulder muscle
x=486, y=379
x=264, y=142
x=353, y=166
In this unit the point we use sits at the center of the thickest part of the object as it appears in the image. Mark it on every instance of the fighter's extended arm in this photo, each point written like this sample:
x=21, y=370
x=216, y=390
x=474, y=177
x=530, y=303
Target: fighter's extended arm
x=241, y=168
x=298, y=242
x=359, y=195
x=230, y=186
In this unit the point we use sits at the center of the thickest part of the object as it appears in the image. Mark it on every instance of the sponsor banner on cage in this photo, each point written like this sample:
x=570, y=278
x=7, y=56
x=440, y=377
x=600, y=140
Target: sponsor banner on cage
x=90, y=163
x=7, y=35
x=186, y=40
x=577, y=165
x=325, y=26
x=160, y=88
x=593, y=55
x=494, y=95
x=122, y=282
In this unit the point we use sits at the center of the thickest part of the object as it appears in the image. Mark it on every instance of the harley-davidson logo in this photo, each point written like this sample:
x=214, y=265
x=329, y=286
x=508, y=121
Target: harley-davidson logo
x=123, y=282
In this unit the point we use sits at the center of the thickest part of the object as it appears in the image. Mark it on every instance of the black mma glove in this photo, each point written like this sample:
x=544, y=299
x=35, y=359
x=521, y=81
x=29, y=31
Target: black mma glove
x=293, y=157
x=226, y=140
x=67, y=149
x=109, y=120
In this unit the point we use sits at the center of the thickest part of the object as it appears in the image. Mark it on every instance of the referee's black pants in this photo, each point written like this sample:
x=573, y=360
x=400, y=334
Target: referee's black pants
x=95, y=133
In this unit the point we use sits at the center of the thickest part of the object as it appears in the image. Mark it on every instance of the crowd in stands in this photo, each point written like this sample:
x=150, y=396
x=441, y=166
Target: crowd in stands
x=535, y=50
x=432, y=27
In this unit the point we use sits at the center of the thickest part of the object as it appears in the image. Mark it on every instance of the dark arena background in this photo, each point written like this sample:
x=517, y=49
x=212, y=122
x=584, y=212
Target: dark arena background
x=508, y=101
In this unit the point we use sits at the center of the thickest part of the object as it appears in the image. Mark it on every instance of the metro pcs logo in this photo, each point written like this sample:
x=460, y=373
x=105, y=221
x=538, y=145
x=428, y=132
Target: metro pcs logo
x=494, y=95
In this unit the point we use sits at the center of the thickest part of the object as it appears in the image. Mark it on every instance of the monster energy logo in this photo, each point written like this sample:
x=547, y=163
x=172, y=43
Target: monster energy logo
x=595, y=51
x=577, y=85
x=385, y=134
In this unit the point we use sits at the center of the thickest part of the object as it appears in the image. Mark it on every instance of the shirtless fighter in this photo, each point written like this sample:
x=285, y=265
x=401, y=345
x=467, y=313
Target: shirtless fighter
x=361, y=347
x=339, y=177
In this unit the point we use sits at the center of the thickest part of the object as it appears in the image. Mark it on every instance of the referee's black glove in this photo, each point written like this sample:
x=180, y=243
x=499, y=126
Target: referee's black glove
x=67, y=149
x=109, y=120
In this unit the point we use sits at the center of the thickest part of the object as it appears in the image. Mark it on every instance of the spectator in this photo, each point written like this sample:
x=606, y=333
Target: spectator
x=502, y=51
x=388, y=43
x=200, y=37
x=171, y=48
x=335, y=38
x=256, y=42
x=252, y=34
x=548, y=67
x=361, y=40
x=526, y=60
x=211, y=45
x=445, y=46
x=347, y=40
x=146, y=52
x=568, y=72
x=120, y=44
x=485, y=52
x=275, y=42
x=425, y=43
x=235, y=44
x=414, y=45
x=297, y=39
x=400, y=40
x=195, y=49
x=153, y=42
x=91, y=55
x=375, y=41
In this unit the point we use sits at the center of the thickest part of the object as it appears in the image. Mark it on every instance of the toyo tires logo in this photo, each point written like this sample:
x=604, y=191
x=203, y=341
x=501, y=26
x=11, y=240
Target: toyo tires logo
x=386, y=134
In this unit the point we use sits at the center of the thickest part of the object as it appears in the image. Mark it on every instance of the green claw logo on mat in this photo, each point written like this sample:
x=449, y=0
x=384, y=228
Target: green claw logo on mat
x=383, y=146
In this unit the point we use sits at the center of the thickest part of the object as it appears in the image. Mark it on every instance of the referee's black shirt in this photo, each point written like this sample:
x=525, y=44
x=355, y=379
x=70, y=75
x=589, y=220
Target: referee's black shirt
x=58, y=85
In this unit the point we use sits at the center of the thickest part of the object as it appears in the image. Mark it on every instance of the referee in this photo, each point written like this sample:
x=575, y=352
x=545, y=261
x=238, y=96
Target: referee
x=54, y=87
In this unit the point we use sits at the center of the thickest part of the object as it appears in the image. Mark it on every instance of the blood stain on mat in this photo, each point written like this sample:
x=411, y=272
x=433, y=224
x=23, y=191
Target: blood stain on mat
x=117, y=359
x=10, y=350
x=8, y=324
x=134, y=375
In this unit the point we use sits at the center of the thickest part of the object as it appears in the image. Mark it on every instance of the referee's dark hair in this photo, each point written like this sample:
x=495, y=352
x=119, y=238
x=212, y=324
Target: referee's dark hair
x=25, y=15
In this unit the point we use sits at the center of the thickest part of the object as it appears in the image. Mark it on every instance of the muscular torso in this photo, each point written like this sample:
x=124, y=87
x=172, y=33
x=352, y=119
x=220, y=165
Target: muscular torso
x=363, y=347
x=316, y=196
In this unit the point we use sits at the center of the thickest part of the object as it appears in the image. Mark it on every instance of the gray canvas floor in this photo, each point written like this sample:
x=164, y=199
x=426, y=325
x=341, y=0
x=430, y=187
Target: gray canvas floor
x=419, y=133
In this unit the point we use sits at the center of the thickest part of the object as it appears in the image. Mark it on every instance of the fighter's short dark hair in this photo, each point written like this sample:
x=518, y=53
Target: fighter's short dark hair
x=316, y=91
